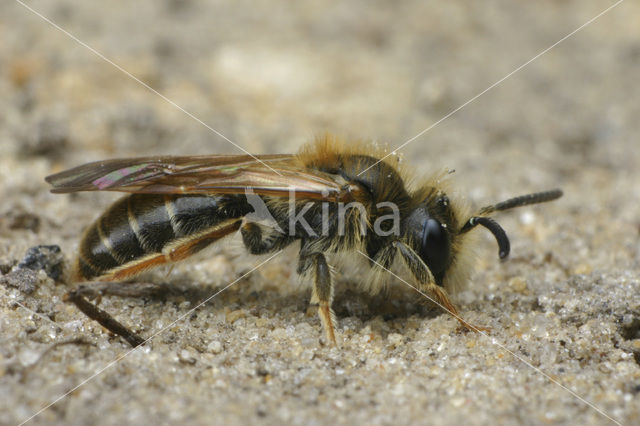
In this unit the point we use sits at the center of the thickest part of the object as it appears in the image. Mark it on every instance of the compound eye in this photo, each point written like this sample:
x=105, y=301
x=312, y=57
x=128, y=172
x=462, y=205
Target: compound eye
x=435, y=246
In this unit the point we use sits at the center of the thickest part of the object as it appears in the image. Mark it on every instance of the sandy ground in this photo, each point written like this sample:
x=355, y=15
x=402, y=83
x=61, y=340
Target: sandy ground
x=270, y=76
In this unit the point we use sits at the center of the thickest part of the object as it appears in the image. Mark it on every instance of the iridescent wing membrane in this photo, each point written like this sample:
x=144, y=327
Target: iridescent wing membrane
x=274, y=175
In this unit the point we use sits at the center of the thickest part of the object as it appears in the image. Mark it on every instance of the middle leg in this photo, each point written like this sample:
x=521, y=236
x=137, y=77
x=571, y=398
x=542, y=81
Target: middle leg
x=322, y=293
x=255, y=240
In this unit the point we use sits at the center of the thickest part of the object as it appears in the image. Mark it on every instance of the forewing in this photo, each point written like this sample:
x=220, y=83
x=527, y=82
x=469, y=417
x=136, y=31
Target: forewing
x=274, y=175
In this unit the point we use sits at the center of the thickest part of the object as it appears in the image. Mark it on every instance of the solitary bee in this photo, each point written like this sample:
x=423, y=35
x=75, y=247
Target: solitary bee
x=331, y=197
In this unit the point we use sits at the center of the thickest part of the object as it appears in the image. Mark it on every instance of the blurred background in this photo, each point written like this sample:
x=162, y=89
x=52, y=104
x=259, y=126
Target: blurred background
x=272, y=75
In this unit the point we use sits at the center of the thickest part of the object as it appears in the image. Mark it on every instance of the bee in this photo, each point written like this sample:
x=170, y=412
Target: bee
x=331, y=197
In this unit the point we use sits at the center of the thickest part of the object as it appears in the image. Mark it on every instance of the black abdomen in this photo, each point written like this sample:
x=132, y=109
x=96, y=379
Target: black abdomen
x=139, y=226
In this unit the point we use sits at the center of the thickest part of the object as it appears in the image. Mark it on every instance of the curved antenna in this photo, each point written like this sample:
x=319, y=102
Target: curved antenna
x=481, y=218
x=504, y=247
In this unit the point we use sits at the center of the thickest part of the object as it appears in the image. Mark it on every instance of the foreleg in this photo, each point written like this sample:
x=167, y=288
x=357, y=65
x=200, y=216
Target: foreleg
x=428, y=283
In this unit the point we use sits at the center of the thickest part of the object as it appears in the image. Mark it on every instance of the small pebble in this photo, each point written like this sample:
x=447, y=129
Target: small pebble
x=187, y=357
x=234, y=316
x=215, y=347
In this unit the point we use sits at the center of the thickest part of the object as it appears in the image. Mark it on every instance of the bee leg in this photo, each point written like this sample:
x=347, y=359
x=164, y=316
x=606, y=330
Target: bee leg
x=257, y=243
x=94, y=290
x=428, y=283
x=102, y=317
x=322, y=293
x=442, y=298
x=110, y=283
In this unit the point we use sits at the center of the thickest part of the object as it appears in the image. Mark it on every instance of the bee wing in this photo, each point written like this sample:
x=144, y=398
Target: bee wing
x=275, y=175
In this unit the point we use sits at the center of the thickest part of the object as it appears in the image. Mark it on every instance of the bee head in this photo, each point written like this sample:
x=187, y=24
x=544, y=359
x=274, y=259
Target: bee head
x=435, y=231
x=428, y=229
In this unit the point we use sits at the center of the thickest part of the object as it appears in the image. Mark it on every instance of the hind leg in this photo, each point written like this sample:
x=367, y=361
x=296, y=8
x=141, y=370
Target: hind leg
x=111, y=282
x=102, y=317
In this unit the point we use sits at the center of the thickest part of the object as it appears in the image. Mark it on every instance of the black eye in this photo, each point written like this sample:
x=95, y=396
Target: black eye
x=435, y=246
